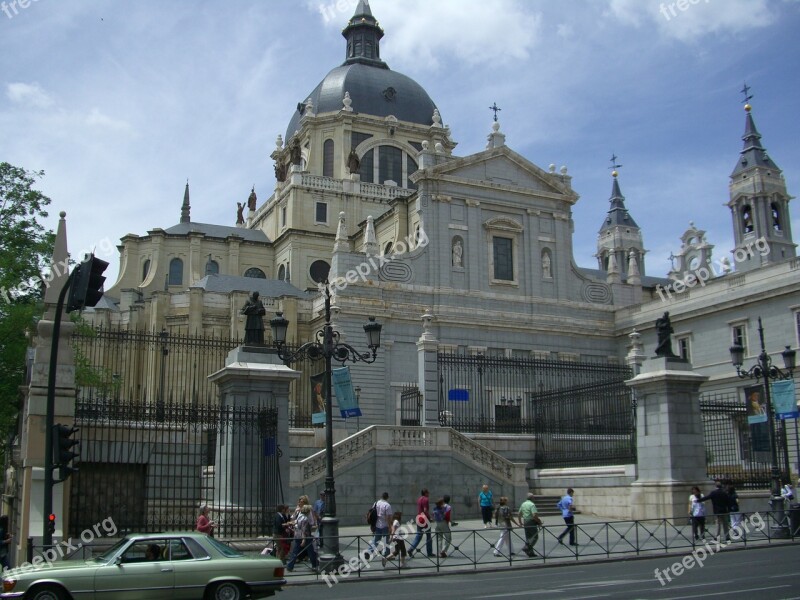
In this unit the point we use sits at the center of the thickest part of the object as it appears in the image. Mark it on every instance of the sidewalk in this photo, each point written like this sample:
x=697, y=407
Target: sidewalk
x=473, y=547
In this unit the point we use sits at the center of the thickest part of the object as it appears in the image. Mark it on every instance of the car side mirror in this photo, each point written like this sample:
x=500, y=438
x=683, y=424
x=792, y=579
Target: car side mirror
x=118, y=561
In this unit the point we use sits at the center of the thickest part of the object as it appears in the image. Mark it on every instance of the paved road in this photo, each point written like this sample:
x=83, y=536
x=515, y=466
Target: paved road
x=767, y=572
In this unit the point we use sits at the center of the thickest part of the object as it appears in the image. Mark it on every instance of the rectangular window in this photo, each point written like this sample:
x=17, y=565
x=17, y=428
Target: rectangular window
x=366, y=170
x=327, y=158
x=739, y=336
x=321, y=215
x=283, y=216
x=683, y=348
x=503, y=259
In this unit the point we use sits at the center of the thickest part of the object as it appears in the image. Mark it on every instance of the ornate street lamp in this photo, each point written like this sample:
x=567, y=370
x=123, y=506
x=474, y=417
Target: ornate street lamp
x=329, y=347
x=766, y=370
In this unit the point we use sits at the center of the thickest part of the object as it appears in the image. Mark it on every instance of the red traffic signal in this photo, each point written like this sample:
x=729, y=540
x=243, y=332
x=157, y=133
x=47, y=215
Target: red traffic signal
x=51, y=524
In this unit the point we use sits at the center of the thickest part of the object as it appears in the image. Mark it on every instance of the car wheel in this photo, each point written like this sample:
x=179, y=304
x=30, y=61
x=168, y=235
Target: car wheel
x=227, y=590
x=46, y=592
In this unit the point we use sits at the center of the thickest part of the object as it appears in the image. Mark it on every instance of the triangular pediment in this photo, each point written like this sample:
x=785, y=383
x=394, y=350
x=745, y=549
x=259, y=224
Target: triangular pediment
x=503, y=166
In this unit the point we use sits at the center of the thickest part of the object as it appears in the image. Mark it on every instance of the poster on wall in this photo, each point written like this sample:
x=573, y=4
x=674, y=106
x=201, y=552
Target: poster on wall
x=756, y=405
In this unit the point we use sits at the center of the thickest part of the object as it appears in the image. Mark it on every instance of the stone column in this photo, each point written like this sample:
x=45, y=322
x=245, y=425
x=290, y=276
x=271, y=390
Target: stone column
x=671, y=455
x=427, y=373
x=255, y=378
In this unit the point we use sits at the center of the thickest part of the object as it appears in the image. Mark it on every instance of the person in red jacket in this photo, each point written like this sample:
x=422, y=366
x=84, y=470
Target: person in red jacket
x=204, y=524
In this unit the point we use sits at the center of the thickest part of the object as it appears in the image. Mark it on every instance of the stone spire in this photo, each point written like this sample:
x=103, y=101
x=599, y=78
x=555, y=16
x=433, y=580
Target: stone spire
x=613, y=270
x=619, y=234
x=363, y=35
x=370, y=241
x=185, y=208
x=58, y=277
x=633, y=270
x=342, y=243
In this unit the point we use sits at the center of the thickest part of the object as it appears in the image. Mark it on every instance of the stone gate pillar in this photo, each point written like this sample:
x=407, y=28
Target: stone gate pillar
x=671, y=455
x=251, y=470
x=427, y=373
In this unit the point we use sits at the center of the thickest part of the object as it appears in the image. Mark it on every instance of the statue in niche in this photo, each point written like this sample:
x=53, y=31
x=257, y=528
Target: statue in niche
x=254, y=325
x=353, y=162
x=295, y=152
x=664, y=331
x=458, y=253
x=546, y=273
x=239, y=213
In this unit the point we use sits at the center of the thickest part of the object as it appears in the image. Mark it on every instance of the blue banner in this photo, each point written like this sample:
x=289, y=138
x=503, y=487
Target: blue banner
x=458, y=395
x=345, y=395
x=783, y=399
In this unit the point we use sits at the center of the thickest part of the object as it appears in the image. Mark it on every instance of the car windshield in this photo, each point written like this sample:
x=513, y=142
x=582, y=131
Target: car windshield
x=223, y=549
x=108, y=554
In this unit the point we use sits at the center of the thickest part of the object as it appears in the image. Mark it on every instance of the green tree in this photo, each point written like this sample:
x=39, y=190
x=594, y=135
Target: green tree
x=25, y=249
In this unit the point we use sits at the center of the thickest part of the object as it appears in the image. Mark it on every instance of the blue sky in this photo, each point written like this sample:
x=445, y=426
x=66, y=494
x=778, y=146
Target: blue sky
x=121, y=102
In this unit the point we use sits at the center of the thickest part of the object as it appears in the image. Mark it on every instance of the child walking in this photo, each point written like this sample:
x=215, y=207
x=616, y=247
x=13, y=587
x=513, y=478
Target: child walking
x=399, y=542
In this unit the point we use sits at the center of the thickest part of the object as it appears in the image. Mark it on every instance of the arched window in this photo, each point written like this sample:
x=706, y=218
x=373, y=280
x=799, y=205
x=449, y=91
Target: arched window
x=212, y=267
x=145, y=269
x=747, y=219
x=255, y=273
x=282, y=273
x=366, y=170
x=776, y=217
x=327, y=158
x=390, y=165
x=388, y=249
x=411, y=168
x=176, y=272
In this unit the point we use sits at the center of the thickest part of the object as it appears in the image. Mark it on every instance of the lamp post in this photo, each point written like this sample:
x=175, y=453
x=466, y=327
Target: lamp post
x=357, y=390
x=764, y=368
x=329, y=347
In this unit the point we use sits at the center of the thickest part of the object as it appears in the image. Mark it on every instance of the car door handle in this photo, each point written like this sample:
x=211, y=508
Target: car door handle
x=166, y=570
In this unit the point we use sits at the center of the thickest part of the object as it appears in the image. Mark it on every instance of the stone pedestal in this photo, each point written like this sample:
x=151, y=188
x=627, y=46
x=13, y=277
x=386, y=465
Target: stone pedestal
x=671, y=456
x=252, y=459
x=427, y=374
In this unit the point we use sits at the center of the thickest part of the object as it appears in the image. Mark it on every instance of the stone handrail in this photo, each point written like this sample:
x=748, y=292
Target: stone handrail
x=321, y=183
x=433, y=439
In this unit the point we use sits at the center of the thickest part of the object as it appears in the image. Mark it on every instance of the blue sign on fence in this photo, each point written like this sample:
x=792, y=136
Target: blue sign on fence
x=458, y=395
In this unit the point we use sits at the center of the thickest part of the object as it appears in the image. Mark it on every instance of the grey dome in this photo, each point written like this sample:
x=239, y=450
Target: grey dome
x=374, y=88
x=370, y=89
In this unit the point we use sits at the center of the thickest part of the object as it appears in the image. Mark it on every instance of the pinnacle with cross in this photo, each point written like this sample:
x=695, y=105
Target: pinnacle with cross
x=614, y=166
x=747, y=95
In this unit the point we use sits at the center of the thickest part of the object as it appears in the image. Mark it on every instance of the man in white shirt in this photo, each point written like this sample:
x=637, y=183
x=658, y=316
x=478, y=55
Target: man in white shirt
x=384, y=510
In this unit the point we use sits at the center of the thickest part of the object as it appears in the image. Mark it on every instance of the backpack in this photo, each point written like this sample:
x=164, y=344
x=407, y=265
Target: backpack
x=372, y=517
x=504, y=512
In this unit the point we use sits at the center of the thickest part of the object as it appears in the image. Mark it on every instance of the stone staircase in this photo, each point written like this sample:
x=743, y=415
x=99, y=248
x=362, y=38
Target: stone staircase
x=546, y=505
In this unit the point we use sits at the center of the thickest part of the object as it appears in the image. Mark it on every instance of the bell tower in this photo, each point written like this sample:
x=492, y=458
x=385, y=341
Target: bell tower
x=759, y=203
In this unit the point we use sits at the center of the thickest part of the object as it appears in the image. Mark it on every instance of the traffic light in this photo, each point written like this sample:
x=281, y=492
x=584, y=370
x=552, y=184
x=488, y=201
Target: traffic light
x=51, y=524
x=63, y=453
x=87, y=281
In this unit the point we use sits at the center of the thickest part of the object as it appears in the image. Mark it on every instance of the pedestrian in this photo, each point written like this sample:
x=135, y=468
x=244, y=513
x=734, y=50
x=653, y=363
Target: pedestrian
x=281, y=533
x=503, y=519
x=5, y=541
x=441, y=525
x=449, y=509
x=423, y=525
x=567, y=507
x=697, y=514
x=303, y=541
x=528, y=518
x=319, y=511
x=487, y=505
x=787, y=493
x=301, y=502
x=384, y=510
x=399, y=543
x=720, y=502
x=204, y=524
x=733, y=509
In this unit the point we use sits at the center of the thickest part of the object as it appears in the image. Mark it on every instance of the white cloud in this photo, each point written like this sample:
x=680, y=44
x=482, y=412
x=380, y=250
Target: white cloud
x=29, y=94
x=103, y=121
x=691, y=20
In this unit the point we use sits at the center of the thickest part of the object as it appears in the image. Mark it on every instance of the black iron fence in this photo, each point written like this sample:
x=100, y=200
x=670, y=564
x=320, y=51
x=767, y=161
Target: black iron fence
x=581, y=413
x=156, y=369
x=736, y=450
x=410, y=406
x=151, y=469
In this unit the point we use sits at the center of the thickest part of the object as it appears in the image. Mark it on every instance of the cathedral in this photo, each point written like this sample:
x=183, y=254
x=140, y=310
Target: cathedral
x=476, y=251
